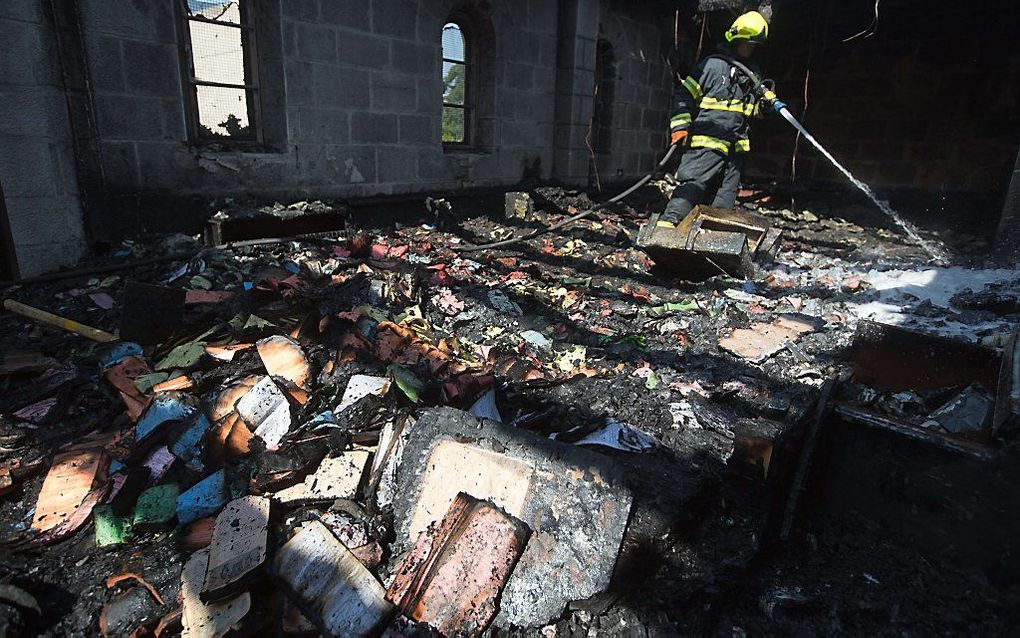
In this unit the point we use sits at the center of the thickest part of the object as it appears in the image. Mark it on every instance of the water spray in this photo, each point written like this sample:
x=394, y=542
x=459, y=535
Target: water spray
x=936, y=251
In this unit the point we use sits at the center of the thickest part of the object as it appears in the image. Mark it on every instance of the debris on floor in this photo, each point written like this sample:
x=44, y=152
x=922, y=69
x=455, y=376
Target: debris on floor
x=208, y=619
x=371, y=433
x=238, y=547
x=329, y=583
x=712, y=241
x=453, y=575
x=574, y=499
x=762, y=340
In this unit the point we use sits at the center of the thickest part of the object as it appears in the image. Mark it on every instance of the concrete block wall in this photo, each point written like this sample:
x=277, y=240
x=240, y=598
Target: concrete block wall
x=351, y=96
x=575, y=87
x=360, y=91
x=640, y=37
x=927, y=102
x=37, y=168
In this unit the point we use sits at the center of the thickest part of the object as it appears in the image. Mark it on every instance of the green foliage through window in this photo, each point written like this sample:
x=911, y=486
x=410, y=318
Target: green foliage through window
x=453, y=100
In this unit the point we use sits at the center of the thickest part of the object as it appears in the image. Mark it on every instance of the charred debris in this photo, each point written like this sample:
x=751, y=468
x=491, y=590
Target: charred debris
x=365, y=430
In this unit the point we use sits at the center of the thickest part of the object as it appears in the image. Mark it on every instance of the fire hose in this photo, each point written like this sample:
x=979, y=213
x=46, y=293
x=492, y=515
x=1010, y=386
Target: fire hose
x=761, y=87
x=541, y=231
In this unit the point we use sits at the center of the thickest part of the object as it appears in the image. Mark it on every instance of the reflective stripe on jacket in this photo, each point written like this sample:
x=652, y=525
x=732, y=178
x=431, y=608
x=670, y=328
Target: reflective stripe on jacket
x=714, y=103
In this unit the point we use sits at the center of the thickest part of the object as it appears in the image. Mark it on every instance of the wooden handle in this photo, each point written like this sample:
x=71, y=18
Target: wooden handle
x=57, y=321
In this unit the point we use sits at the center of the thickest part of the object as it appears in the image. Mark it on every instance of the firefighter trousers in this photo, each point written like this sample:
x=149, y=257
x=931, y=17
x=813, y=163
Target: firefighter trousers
x=702, y=169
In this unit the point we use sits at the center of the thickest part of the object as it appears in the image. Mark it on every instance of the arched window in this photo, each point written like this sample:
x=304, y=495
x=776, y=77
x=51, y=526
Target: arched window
x=457, y=98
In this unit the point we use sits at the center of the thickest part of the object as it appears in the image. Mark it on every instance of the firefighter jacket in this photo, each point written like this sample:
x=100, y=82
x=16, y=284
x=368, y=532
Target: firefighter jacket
x=714, y=104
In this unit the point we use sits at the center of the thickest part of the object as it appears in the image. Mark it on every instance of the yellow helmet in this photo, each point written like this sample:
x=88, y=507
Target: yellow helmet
x=750, y=27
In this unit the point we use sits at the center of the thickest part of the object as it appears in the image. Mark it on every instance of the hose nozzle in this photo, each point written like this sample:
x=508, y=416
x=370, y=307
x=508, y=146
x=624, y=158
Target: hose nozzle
x=770, y=98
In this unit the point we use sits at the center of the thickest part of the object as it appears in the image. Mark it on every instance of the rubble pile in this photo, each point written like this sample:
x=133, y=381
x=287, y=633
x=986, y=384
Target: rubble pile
x=379, y=433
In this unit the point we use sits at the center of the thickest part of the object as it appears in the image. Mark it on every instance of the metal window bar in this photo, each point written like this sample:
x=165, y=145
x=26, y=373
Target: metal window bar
x=466, y=139
x=466, y=106
x=250, y=70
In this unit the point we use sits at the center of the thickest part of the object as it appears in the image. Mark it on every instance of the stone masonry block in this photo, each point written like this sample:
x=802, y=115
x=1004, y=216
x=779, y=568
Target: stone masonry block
x=340, y=88
x=394, y=92
x=29, y=54
x=643, y=94
x=430, y=97
x=397, y=18
x=288, y=35
x=434, y=164
x=24, y=10
x=36, y=259
x=300, y=88
x=152, y=21
x=373, y=128
x=653, y=119
x=573, y=499
x=506, y=103
x=62, y=157
x=570, y=166
x=544, y=80
x=350, y=165
x=547, y=48
x=106, y=63
x=396, y=163
x=542, y=15
x=153, y=69
x=316, y=43
x=307, y=10
x=174, y=125
x=584, y=84
x=347, y=14
x=322, y=125
x=523, y=48
x=519, y=76
x=419, y=130
x=167, y=165
x=120, y=160
x=270, y=29
x=32, y=111
x=414, y=57
x=30, y=171
x=518, y=134
x=44, y=221
x=360, y=49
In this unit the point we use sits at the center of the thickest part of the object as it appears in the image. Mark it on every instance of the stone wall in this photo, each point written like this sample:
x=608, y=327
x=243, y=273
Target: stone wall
x=631, y=84
x=37, y=168
x=357, y=101
x=351, y=99
x=929, y=101
x=639, y=37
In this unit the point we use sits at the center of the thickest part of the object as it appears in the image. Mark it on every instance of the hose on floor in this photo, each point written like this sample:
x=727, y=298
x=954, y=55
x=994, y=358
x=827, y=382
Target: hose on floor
x=558, y=225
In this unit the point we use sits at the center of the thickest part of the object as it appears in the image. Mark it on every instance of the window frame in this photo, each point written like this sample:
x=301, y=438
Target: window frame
x=249, y=53
x=468, y=107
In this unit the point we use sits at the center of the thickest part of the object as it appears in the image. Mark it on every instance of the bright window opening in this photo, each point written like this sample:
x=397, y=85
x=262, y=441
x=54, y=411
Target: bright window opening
x=456, y=103
x=220, y=57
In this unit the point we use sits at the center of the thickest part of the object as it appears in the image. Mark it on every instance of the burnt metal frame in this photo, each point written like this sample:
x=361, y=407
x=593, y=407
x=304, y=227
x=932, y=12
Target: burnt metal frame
x=251, y=86
x=9, y=268
x=469, y=81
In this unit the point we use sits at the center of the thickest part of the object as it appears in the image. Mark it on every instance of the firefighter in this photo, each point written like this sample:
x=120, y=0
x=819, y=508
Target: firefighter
x=711, y=109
